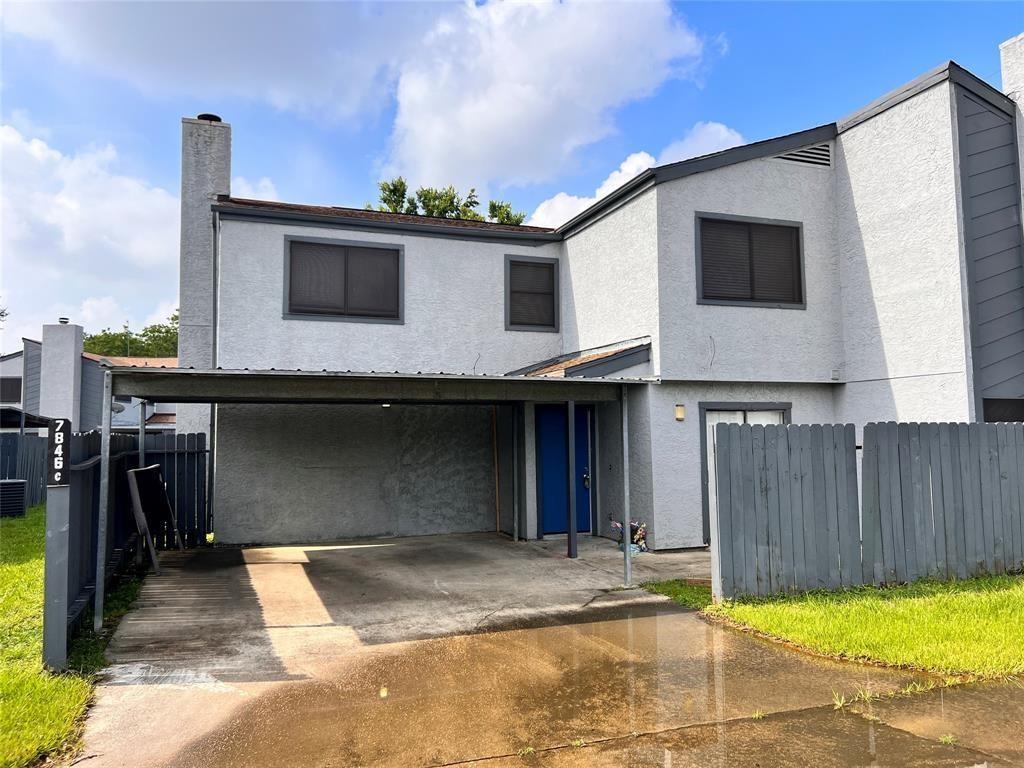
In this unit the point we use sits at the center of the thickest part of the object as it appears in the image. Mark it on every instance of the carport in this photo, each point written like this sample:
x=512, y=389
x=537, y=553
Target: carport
x=334, y=388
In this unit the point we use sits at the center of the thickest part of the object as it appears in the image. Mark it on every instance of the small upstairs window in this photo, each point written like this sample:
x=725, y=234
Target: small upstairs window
x=749, y=262
x=531, y=294
x=345, y=281
x=10, y=389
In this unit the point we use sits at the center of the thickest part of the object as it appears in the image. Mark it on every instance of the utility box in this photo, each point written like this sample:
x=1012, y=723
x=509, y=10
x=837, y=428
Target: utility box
x=13, y=498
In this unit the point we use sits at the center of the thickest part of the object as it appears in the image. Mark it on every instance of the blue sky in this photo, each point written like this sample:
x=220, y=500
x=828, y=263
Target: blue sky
x=541, y=105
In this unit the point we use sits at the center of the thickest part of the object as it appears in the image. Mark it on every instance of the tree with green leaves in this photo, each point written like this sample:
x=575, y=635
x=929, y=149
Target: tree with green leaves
x=395, y=197
x=501, y=212
x=157, y=340
x=442, y=202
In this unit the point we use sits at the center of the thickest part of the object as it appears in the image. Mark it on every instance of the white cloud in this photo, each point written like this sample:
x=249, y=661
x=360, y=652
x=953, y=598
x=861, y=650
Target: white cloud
x=263, y=189
x=704, y=138
x=80, y=239
x=336, y=59
x=506, y=92
x=492, y=94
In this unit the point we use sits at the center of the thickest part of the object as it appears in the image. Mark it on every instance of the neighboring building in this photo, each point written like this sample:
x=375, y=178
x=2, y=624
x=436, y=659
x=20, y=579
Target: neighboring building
x=21, y=375
x=863, y=270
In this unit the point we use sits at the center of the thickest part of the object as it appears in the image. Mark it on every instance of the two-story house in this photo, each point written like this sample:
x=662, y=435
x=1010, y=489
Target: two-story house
x=864, y=270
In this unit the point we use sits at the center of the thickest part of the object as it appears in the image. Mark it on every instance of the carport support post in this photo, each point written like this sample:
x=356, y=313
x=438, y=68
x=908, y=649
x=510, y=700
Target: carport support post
x=101, y=518
x=570, y=411
x=142, y=433
x=627, y=531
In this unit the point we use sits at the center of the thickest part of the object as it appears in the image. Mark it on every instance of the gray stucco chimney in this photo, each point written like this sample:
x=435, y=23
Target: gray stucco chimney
x=60, y=372
x=205, y=173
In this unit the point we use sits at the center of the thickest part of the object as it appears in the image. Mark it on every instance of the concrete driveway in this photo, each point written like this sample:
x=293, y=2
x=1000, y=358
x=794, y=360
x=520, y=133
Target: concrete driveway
x=222, y=625
x=472, y=649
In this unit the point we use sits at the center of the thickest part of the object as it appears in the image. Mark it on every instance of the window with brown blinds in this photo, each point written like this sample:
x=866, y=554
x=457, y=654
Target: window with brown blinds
x=343, y=280
x=532, y=295
x=749, y=262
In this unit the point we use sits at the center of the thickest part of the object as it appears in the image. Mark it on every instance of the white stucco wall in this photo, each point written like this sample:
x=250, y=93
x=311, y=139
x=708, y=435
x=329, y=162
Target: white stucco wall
x=904, y=309
x=749, y=343
x=675, y=515
x=454, y=308
x=610, y=288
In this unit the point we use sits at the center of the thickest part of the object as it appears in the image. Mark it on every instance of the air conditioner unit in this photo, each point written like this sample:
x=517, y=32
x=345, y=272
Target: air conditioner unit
x=13, y=497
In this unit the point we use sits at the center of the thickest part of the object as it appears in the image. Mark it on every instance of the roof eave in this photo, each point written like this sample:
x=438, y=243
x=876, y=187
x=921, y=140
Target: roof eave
x=951, y=71
x=226, y=210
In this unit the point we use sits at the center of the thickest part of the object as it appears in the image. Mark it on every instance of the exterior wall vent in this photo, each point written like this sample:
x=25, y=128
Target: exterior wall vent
x=817, y=154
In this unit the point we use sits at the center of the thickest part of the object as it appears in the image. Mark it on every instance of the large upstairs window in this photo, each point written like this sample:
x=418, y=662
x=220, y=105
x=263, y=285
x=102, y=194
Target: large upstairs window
x=749, y=262
x=343, y=281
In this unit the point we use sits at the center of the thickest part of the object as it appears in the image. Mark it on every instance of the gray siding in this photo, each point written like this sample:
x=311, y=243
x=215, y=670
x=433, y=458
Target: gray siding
x=92, y=396
x=990, y=190
x=33, y=362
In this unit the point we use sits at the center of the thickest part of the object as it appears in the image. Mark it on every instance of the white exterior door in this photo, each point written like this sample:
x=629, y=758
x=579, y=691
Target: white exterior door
x=711, y=418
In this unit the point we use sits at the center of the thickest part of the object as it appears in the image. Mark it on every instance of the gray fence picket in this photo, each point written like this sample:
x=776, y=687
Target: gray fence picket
x=849, y=511
x=807, y=504
x=749, y=515
x=760, y=508
x=787, y=511
x=910, y=527
x=1018, y=527
x=871, y=544
x=831, y=551
x=723, y=492
x=920, y=505
x=957, y=530
x=736, y=494
x=776, y=579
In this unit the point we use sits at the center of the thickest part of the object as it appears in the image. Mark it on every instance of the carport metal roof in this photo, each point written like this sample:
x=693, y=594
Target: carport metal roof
x=189, y=385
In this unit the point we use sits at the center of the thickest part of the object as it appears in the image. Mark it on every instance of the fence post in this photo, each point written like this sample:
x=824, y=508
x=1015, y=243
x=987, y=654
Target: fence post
x=104, y=510
x=56, y=554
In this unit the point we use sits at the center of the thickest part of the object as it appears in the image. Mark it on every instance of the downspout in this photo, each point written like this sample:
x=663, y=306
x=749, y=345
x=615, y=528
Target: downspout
x=211, y=462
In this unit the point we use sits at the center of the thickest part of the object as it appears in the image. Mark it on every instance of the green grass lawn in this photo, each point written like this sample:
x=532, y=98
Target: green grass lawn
x=40, y=712
x=972, y=627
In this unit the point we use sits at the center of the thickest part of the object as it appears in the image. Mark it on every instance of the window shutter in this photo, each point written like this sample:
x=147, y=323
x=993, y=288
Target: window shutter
x=531, y=299
x=316, y=279
x=776, y=263
x=372, y=282
x=725, y=260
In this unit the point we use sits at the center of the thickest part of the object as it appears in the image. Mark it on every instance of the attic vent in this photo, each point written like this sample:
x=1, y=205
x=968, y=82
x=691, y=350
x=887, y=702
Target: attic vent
x=819, y=154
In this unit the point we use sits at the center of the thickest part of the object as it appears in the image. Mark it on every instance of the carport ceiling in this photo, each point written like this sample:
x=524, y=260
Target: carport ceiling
x=187, y=385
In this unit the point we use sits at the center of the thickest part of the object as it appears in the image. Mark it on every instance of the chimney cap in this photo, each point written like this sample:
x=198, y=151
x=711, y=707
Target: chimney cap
x=208, y=116
x=62, y=320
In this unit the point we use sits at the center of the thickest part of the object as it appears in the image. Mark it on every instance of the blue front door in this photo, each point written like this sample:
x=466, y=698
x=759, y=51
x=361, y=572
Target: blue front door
x=553, y=467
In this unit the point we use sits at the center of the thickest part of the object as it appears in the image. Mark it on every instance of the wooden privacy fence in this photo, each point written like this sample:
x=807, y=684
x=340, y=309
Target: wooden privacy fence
x=23, y=457
x=942, y=500
x=183, y=465
x=183, y=462
x=786, y=512
x=938, y=500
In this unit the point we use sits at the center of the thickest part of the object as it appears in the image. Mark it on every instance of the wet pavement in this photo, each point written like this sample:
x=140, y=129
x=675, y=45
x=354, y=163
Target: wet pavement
x=628, y=679
x=694, y=694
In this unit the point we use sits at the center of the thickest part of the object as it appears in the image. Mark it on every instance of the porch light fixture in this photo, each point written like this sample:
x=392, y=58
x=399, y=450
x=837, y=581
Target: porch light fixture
x=680, y=412
x=385, y=405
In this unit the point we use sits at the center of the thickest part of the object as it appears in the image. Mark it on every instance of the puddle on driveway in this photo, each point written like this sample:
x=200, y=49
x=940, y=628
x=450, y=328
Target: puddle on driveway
x=596, y=676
